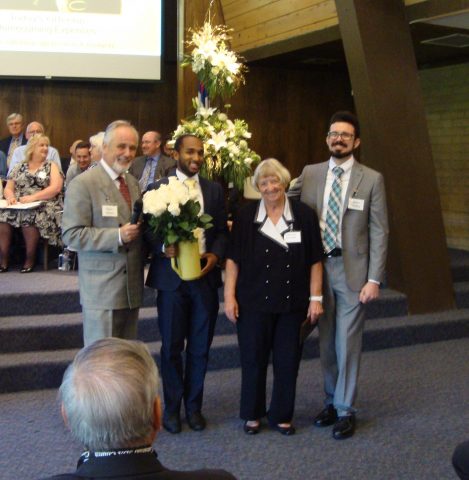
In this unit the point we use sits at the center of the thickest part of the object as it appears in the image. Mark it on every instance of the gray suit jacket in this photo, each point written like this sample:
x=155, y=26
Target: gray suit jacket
x=110, y=276
x=165, y=164
x=364, y=232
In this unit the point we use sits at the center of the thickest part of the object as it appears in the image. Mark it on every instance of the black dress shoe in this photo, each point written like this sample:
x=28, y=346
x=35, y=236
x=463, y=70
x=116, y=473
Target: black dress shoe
x=344, y=427
x=326, y=417
x=27, y=269
x=196, y=421
x=251, y=429
x=3, y=269
x=172, y=422
x=290, y=430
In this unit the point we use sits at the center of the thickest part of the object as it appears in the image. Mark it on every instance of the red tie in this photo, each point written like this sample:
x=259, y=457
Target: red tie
x=124, y=189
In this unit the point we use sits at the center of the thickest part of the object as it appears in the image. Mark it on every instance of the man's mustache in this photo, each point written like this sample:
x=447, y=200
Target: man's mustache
x=339, y=143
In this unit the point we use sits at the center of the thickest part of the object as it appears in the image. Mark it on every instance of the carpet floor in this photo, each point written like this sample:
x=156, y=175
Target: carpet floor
x=413, y=410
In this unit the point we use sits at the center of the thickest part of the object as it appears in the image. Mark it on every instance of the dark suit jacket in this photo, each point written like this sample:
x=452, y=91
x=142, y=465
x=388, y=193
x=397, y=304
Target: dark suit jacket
x=141, y=466
x=272, y=278
x=5, y=143
x=165, y=164
x=161, y=276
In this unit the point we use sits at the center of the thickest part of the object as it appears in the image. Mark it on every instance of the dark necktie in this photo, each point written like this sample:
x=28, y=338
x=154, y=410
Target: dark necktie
x=124, y=189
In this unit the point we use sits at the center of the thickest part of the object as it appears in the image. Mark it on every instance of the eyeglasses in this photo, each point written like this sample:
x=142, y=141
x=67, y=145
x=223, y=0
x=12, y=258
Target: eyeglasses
x=343, y=135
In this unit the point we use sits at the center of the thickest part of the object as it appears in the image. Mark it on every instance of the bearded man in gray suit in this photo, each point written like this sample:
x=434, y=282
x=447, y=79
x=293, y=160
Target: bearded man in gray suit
x=96, y=223
x=350, y=201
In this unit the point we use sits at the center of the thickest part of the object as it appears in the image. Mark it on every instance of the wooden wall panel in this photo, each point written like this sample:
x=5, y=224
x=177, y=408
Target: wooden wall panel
x=288, y=112
x=260, y=23
x=257, y=23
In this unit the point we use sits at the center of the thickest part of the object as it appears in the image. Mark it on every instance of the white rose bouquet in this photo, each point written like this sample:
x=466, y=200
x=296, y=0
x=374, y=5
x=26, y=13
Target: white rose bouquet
x=174, y=212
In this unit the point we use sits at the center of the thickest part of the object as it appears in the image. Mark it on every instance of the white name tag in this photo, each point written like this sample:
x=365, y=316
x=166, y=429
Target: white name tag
x=292, y=237
x=109, y=211
x=356, y=204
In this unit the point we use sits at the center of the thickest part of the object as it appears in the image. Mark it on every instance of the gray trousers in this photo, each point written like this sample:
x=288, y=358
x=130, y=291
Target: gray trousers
x=340, y=337
x=120, y=323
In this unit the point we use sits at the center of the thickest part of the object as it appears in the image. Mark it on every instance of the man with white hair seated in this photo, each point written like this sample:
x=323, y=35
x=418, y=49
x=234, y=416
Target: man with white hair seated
x=96, y=149
x=111, y=405
x=19, y=154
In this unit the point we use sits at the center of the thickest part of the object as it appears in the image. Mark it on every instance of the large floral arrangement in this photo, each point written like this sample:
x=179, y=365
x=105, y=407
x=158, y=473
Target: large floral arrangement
x=219, y=69
x=226, y=150
x=174, y=212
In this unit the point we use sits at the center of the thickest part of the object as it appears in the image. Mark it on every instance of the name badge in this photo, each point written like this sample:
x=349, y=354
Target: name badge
x=293, y=237
x=356, y=204
x=109, y=211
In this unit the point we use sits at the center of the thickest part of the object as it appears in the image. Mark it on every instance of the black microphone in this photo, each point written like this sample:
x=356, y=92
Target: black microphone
x=138, y=207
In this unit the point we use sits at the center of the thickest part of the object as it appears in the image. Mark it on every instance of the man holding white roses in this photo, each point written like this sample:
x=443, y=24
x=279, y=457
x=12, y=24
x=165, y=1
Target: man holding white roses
x=187, y=310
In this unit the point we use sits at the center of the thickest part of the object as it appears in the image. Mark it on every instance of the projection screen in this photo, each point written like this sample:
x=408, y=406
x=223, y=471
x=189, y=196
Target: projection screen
x=87, y=39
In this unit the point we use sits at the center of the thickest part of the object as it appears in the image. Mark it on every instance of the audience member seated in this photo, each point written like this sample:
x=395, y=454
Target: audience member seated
x=111, y=405
x=3, y=165
x=16, y=138
x=96, y=149
x=83, y=162
x=152, y=165
x=168, y=147
x=72, y=149
x=19, y=155
x=35, y=179
x=461, y=460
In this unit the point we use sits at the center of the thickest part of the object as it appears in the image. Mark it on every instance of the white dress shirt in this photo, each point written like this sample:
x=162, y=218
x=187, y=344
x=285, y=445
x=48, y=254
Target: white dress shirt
x=200, y=234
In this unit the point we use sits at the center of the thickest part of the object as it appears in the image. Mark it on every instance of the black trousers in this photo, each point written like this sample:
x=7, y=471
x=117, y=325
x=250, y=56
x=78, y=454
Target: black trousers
x=461, y=460
x=258, y=335
x=186, y=318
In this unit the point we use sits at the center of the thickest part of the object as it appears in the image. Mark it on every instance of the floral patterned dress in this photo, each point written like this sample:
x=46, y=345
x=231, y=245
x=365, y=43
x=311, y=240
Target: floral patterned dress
x=47, y=217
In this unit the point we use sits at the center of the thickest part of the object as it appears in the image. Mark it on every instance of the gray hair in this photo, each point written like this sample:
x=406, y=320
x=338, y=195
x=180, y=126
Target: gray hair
x=31, y=145
x=111, y=128
x=12, y=116
x=39, y=124
x=271, y=167
x=97, y=141
x=108, y=394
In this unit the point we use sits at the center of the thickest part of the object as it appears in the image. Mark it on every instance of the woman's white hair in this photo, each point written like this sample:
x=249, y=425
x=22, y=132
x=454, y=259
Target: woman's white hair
x=108, y=394
x=271, y=167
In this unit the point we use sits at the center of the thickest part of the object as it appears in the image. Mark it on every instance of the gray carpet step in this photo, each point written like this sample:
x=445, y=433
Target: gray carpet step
x=44, y=369
x=55, y=331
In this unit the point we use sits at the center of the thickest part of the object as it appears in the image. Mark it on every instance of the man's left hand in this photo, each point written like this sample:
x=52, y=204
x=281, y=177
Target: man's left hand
x=211, y=259
x=369, y=292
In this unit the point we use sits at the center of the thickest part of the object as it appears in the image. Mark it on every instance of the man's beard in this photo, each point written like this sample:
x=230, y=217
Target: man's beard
x=340, y=155
x=118, y=167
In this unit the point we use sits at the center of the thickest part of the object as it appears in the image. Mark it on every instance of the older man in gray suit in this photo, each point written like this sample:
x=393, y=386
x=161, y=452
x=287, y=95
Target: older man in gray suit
x=350, y=201
x=152, y=165
x=96, y=223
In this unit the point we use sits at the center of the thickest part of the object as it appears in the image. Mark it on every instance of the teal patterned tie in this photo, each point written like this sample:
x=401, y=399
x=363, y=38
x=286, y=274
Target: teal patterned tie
x=329, y=235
